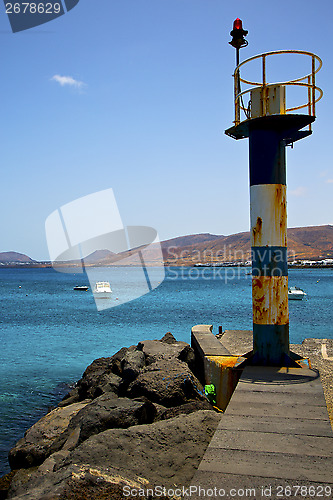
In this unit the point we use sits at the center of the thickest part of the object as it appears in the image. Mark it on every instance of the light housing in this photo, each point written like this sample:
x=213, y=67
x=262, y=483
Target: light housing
x=238, y=34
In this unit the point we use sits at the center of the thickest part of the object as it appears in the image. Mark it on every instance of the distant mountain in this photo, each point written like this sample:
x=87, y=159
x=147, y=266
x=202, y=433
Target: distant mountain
x=218, y=248
x=191, y=239
x=14, y=257
x=98, y=257
x=313, y=243
x=304, y=243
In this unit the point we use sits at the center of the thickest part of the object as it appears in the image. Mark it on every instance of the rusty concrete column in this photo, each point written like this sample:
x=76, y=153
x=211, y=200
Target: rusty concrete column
x=269, y=244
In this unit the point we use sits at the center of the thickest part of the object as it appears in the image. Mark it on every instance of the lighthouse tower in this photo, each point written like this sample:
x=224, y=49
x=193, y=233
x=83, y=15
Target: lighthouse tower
x=263, y=116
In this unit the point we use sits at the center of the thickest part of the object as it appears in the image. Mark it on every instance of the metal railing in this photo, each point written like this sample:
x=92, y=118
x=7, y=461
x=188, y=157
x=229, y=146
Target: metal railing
x=307, y=81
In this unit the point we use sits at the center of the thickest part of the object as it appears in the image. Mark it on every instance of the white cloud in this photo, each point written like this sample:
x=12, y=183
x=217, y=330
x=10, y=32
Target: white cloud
x=329, y=181
x=299, y=191
x=68, y=80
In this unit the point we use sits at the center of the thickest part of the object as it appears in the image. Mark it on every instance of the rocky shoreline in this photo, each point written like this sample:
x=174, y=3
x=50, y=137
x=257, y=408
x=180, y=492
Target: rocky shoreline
x=136, y=420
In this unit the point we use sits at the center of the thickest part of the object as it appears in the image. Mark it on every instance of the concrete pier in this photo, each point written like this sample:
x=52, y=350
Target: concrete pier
x=215, y=363
x=274, y=440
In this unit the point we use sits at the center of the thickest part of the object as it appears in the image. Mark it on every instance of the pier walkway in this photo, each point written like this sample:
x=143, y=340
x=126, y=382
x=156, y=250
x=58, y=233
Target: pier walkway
x=274, y=440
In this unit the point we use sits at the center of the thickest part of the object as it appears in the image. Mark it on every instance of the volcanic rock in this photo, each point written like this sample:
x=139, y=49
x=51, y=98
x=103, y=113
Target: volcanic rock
x=107, y=412
x=164, y=453
x=139, y=417
x=168, y=383
x=131, y=364
x=36, y=444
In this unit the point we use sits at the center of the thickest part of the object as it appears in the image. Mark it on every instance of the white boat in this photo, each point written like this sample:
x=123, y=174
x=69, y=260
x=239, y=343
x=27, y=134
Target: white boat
x=295, y=293
x=102, y=290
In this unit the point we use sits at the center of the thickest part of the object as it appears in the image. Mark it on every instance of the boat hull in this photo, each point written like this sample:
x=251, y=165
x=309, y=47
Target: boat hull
x=102, y=295
x=292, y=296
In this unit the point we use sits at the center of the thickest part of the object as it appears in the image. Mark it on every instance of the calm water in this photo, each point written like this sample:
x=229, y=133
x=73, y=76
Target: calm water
x=50, y=333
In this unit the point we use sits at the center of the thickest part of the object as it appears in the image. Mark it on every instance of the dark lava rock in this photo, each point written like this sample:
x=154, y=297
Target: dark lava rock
x=165, y=453
x=155, y=350
x=138, y=418
x=75, y=482
x=5, y=482
x=168, y=338
x=103, y=373
x=168, y=383
x=184, y=409
x=70, y=398
x=106, y=412
x=108, y=383
x=131, y=364
x=36, y=444
x=188, y=356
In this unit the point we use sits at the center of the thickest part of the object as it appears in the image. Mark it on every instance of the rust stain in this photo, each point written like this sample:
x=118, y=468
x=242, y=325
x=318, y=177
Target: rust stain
x=268, y=215
x=280, y=213
x=257, y=282
x=270, y=300
x=257, y=232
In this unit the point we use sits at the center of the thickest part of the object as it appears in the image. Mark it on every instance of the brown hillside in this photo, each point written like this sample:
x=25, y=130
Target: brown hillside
x=14, y=257
x=313, y=243
x=309, y=243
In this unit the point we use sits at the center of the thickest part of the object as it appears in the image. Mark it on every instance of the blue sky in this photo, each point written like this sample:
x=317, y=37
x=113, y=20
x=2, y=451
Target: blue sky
x=145, y=112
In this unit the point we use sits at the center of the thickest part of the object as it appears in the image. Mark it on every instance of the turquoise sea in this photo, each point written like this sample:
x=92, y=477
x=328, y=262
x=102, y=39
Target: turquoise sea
x=50, y=333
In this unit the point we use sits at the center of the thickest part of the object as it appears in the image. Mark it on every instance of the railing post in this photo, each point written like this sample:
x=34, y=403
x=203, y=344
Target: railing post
x=309, y=99
x=237, y=110
x=313, y=87
x=264, y=93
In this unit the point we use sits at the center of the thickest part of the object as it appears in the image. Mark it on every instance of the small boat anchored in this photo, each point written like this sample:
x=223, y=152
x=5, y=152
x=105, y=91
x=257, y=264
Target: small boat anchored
x=81, y=288
x=295, y=293
x=102, y=290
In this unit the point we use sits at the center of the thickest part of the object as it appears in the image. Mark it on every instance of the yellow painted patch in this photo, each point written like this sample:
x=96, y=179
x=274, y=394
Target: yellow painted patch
x=224, y=361
x=221, y=371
